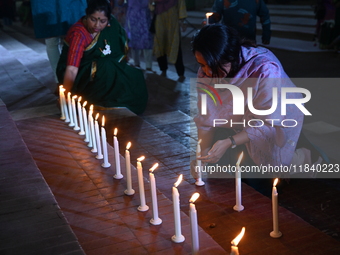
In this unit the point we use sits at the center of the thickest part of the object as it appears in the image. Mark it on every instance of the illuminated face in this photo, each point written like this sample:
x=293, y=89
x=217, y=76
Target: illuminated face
x=96, y=22
x=206, y=68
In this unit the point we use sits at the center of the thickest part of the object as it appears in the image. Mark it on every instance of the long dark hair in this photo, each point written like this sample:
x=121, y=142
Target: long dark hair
x=99, y=5
x=219, y=45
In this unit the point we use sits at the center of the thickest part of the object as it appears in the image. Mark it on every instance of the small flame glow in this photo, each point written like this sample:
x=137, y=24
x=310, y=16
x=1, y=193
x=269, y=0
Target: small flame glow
x=141, y=158
x=238, y=238
x=103, y=121
x=194, y=197
x=115, y=131
x=239, y=159
x=208, y=14
x=180, y=178
x=91, y=107
x=74, y=97
x=62, y=89
x=97, y=116
x=79, y=99
x=128, y=145
x=275, y=182
x=85, y=103
x=153, y=167
x=69, y=94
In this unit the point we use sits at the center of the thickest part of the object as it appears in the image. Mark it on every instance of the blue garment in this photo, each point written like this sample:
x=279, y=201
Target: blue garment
x=242, y=14
x=138, y=20
x=53, y=18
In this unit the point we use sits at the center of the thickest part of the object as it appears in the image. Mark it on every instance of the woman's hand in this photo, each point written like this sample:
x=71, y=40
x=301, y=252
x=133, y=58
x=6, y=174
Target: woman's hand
x=69, y=77
x=217, y=151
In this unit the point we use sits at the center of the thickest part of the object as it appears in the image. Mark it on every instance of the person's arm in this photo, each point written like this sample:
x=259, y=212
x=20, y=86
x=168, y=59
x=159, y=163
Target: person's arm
x=69, y=77
x=220, y=147
x=263, y=13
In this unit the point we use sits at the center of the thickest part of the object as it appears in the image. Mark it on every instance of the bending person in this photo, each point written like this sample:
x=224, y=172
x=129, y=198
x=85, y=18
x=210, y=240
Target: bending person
x=93, y=62
x=263, y=138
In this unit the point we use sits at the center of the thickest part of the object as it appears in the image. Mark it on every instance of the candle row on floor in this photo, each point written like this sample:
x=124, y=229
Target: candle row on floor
x=72, y=111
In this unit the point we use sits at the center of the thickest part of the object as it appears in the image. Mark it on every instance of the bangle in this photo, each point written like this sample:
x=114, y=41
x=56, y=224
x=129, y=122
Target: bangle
x=232, y=142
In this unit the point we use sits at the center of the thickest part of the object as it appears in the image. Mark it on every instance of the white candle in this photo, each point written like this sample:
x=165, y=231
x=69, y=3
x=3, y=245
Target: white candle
x=178, y=237
x=143, y=207
x=74, y=111
x=155, y=219
x=64, y=105
x=80, y=114
x=106, y=163
x=275, y=233
x=207, y=15
x=70, y=109
x=129, y=190
x=91, y=127
x=235, y=241
x=61, y=102
x=238, y=207
x=118, y=174
x=193, y=224
x=199, y=181
x=96, y=130
x=86, y=125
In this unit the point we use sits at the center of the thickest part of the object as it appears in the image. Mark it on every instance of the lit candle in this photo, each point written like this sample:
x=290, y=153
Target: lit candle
x=74, y=111
x=178, y=237
x=129, y=190
x=61, y=102
x=106, y=163
x=199, y=181
x=70, y=109
x=91, y=128
x=235, y=241
x=143, y=207
x=193, y=224
x=275, y=233
x=80, y=114
x=238, y=207
x=155, y=219
x=118, y=174
x=86, y=125
x=207, y=15
x=96, y=130
x=64, y=105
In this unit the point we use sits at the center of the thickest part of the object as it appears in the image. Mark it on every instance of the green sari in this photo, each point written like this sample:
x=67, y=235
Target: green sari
x=107, y=80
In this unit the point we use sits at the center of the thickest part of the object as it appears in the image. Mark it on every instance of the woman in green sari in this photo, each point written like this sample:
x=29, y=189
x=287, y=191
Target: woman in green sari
x=93, y=62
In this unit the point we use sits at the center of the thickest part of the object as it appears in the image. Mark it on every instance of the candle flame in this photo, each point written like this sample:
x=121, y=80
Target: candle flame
x=62, y=89
x=128, y=145
x=69, y=94
x=153, y=167
x=74, y=97
x=194, y=197
x=141, y=158
x=275, y=182
x=239, y=159
x=79, y=99
x=91, y=107
x=238, y=238
x=208, y=14
x=180, y=178
x=115, y=131
x=103, y=121
x=85, y=103
x=97, y=116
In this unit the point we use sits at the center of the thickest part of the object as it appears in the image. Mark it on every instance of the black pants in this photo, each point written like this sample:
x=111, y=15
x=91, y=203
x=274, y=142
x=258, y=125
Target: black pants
x=163, y=63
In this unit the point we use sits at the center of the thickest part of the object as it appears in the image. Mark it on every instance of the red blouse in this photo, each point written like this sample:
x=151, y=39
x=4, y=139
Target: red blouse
x=78, y=39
